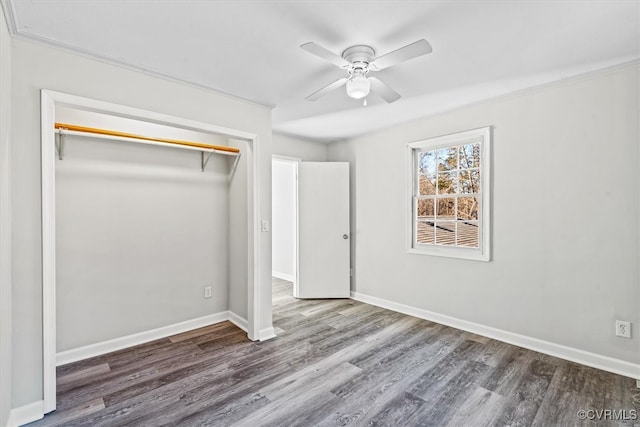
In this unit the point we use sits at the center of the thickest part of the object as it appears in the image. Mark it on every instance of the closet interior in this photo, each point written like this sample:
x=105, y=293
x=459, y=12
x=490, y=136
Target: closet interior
x=148, y=217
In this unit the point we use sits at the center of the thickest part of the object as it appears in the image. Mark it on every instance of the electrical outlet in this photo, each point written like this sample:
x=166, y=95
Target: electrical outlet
x=207, y=292
x=623, y=329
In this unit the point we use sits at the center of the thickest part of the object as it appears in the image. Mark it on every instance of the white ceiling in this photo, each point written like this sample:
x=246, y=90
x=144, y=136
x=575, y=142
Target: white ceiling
x=250, y=49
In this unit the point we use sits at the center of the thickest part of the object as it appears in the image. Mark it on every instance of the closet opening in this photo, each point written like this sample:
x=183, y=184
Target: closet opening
x=142, y=239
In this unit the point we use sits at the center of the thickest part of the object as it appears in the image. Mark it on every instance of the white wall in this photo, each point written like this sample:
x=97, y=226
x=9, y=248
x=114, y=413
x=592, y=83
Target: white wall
x=5, y=221
x=34, y=67
x=309, y=151
x=238, y=239
x=565, y=216
x=140, y=231
x=283, y=230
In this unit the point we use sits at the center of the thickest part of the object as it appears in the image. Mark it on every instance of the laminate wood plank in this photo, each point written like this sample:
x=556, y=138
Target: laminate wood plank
x=413, y=339
x=215, y=415
x=111, y=358
x=576, y=387
x=393, y=367
x=495, y=353
x=372, y=391
x=353, y=349
x=478, y=338
x=478, y=409
x=357, y=308
x=441, y=405
x=507, y=374
x=161, y=390
x=334, y=362
x=331, y=306
x=215, y=397
x=82, y=376
x=315, y=379
x=231, y=386
x=103, y=388
x=623, y=394
x=298, y=411
x=300, y=396
x=65, y=418
x=210, y=397
x=397, y=411
x=132, y=375
x=523, y=404
x=436, y=380
x=155, y=356
x=205, y=331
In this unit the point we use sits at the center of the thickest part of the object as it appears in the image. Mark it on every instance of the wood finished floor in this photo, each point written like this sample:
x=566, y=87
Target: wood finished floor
x=334, y=363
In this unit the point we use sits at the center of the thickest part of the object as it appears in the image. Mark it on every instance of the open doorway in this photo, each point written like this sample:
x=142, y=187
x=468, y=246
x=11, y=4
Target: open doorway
x=284, y=215
x=310, y=232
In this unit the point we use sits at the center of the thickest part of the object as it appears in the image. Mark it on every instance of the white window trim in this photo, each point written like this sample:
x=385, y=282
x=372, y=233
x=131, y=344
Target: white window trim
x=483, y=252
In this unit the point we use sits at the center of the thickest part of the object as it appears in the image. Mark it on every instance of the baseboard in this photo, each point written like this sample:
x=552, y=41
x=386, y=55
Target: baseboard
x=267, y=334
x=240, y=322
x=26, y=414
x=104, y=347
x=283, y=276
x=594, y=360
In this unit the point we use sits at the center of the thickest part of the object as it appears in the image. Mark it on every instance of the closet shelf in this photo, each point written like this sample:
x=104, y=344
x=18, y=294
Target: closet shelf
x=69, y=129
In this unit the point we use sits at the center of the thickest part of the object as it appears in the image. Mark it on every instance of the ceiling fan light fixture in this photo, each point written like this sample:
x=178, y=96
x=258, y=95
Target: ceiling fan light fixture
x=358, y=61
x=358, y=86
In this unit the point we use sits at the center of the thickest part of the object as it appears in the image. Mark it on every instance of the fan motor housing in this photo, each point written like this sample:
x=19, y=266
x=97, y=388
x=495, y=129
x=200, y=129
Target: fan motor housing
x=359, y=53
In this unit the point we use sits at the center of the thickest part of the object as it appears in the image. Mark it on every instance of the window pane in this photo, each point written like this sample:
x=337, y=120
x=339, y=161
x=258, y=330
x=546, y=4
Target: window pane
x=448, y=195
x=426, y=186
x=468, y=233
x=425, y=232
x=445, y=233
x=427, y=163
x=447, y=159
x=425, y=209
x=447, y=182
x=446, y=209
x=467, y=208
x=470, y=156
x=469, y=181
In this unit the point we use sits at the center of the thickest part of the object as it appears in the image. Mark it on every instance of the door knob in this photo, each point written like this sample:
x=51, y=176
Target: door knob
x=345, y=236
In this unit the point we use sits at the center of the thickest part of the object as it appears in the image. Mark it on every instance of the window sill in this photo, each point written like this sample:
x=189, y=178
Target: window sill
x=460, y=253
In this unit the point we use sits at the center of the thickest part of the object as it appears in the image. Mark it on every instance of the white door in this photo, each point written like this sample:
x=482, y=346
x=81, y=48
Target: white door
x=323, y=230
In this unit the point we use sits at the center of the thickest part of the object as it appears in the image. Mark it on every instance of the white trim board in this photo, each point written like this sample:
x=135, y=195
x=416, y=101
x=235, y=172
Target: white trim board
x=240, y=322
x=616, y=366
x=104, y=347
x=97, y=349
x=267, y=333
x=26, y=414
x=263, y=335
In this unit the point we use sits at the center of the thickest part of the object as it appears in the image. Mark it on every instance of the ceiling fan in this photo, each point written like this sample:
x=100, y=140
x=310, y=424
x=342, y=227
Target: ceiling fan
x=359, y=61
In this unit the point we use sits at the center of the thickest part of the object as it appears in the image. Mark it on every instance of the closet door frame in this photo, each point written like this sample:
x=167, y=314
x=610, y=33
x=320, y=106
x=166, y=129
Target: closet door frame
x=49, y=100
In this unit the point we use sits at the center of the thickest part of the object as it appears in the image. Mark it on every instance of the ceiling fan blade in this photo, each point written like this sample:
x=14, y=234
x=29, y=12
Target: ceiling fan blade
x=410, y=51
x=383, y=90
x=328, y=88
x=325, y=54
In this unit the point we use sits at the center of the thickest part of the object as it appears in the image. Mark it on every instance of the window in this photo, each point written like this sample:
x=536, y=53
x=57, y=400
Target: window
x=449, y=180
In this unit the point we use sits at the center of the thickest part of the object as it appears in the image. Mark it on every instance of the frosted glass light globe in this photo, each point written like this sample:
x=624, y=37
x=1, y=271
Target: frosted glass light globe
x=358, y=86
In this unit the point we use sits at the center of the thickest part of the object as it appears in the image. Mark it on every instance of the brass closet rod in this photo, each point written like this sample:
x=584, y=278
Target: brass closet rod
x=76, y=128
